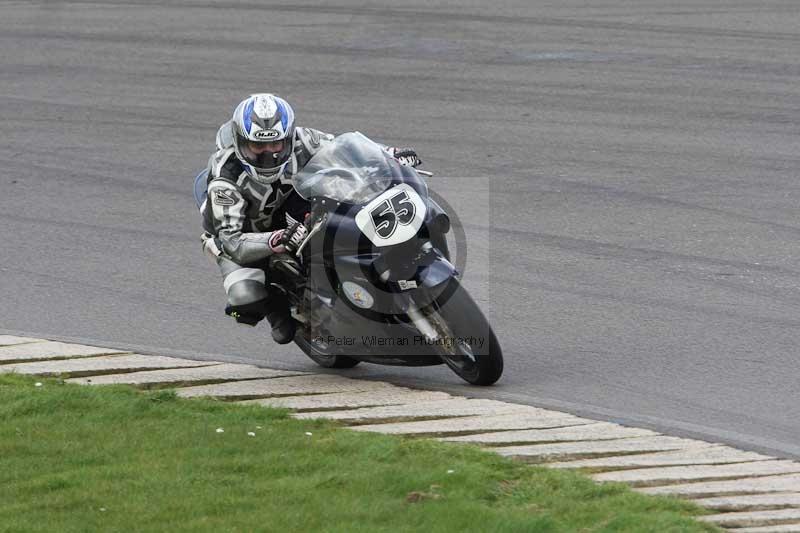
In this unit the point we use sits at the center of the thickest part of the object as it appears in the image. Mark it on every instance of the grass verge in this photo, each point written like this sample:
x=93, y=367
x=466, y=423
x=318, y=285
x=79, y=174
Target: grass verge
x=77, y=458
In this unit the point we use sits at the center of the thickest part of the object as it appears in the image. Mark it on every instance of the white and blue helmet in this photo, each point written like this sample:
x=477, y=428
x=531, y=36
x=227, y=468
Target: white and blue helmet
x=263, y=135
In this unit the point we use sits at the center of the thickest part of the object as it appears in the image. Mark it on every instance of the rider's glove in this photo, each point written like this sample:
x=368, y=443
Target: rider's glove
x=276, y=242
x=406, y=156
x=211, y=246
x=289, y=239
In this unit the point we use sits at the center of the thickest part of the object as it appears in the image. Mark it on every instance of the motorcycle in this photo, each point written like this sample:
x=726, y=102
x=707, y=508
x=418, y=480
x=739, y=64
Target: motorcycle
x=372, y=281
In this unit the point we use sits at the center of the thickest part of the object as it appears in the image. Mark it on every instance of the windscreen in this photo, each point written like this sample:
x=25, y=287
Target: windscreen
x=351, y=169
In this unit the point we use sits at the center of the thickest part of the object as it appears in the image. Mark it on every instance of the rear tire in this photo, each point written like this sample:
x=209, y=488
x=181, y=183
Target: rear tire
x=320, y=356
x=459, y=317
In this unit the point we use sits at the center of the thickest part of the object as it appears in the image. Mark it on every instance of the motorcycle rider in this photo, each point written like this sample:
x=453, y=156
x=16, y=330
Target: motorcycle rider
x=251, y=211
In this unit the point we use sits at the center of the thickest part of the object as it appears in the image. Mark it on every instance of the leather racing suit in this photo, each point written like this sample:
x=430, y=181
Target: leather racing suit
x=239, y=215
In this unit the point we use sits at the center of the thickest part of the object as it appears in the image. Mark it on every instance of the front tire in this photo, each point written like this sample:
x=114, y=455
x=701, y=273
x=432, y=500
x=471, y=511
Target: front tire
x=320, y=355
x=473, y=351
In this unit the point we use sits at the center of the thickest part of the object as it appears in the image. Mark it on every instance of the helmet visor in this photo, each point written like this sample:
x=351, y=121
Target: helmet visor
x=264, y=154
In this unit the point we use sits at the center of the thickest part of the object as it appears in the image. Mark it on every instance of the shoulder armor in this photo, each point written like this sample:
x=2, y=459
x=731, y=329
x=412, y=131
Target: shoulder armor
x=225, y=165
x=225, y=136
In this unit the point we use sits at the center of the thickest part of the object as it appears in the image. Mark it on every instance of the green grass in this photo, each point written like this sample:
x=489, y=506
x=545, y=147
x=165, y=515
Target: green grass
x=77, y=458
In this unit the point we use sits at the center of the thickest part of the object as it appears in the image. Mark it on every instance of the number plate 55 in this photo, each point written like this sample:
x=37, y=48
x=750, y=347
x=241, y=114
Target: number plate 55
x=393, y=217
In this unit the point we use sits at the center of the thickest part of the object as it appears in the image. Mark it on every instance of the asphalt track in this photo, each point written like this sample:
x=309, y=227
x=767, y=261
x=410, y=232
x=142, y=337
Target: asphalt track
x=627, y=173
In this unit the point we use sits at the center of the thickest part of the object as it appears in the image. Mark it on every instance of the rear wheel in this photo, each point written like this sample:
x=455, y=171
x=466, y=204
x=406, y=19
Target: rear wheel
x=320, y=352
x=466, y=343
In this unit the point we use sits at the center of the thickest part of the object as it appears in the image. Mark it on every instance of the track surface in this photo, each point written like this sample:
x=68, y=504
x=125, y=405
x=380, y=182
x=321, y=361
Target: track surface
x=642, y=159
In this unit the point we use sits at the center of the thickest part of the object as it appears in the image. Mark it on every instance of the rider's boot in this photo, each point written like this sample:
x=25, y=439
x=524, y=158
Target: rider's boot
x=250, y=314
x=283, y=326
x=280, y=318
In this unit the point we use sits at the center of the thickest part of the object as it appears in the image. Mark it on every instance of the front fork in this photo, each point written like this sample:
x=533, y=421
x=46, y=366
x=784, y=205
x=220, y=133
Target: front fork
x=421, y=322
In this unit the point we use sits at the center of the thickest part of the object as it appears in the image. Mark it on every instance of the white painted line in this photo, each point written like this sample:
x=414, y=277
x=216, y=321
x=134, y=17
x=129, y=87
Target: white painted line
x=601, y=447
x=754, y=518
x=788, y=483
x=694, y=456
x=288, y=386
x=597, y=431
x=10, y=340
x=476, y=424
x=100, y=365
x=650, y=477
x=351, y=400
x=221, y=372
x=49, y=350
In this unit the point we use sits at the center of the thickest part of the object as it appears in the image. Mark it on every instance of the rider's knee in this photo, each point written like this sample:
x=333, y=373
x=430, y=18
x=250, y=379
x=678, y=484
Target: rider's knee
x=247, y=295
x=246, y=292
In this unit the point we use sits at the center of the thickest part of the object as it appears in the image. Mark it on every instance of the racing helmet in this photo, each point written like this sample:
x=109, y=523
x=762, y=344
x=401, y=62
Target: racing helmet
x=263, y=136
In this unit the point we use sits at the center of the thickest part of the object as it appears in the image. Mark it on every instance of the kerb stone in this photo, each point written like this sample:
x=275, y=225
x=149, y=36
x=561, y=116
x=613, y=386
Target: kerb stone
x=10, y=340
x=598, y=431
x=544, y=452
x=757, y=485
x=287, y=386
x=693, y=456
x=786, y=528
x=440, y=409
x=349, y=400
x=49, y=350
x=91, y=366
x=650, y=477
x=214, y=372
x=475, y=424
x=755, y=518
x=753, y=502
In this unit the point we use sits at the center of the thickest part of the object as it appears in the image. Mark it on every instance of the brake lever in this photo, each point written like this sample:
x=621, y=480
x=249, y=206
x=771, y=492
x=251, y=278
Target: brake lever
x=311, y=233
x=317, y=219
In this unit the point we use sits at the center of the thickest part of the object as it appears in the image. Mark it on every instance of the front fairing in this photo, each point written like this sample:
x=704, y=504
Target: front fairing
x=374, y=251
x=385, y=302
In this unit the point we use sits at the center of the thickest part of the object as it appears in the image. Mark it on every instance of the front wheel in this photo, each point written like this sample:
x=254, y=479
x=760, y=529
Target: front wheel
x=466, y=341
x=320, y=352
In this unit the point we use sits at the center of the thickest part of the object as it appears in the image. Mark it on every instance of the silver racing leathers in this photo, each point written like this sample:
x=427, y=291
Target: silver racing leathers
x=241, y=213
